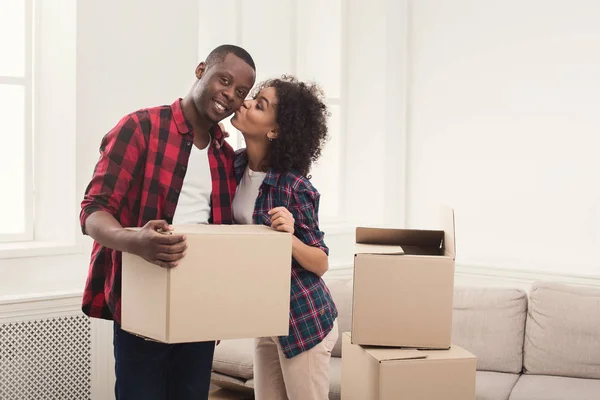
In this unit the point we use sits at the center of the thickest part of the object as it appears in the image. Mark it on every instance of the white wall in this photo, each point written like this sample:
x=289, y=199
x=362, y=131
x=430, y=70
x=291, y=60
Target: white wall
x=503, y=125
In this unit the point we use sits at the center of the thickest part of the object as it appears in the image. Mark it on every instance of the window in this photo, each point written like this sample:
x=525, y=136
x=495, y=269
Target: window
x=37, y=109
x=319, y=55
x=16, y=78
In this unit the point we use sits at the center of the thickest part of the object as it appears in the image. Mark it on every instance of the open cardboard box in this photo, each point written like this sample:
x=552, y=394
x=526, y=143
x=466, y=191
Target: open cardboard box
x=403, y=286
x=406, y=374
x=233, y=283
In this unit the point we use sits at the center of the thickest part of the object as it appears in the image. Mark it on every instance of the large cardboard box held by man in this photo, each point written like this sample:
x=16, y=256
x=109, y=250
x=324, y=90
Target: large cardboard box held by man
x=403, y=286
x=234, y=282
x=378, y=373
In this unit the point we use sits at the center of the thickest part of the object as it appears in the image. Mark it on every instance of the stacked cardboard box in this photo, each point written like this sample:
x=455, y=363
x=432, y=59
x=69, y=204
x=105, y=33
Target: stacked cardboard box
x=400, y=345
x=234, y=282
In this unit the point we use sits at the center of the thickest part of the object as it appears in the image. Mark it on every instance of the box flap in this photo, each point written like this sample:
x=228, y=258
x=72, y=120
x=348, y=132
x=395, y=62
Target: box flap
x=447, y=215
x=387, y=354
x=409, y=241
x=383, y=354
x=395, y=237
x=453, y=353
x=362, y=248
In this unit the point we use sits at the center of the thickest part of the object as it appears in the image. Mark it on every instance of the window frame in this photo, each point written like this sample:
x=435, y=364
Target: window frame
x=27, y=82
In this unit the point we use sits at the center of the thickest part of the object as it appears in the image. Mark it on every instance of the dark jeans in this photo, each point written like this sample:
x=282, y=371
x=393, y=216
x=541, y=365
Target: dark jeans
x=148, y=370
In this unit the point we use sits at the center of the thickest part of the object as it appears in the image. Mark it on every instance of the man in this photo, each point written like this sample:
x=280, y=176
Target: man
x=160, y=166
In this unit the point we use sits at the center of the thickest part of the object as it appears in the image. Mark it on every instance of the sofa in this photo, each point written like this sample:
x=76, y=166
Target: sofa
x=541, y=345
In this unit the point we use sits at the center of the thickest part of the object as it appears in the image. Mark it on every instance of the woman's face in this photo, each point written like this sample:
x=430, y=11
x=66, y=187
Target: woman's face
x=256, y=119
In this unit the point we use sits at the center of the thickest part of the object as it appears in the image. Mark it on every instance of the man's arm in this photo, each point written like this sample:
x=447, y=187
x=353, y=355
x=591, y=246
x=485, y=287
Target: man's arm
x=108, y=232
x=121, y=154
x=120, y=159
x=153, y=242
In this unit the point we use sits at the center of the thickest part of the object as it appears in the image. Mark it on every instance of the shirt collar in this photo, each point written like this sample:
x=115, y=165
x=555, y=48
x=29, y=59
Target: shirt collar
x=184, y=126
x=241, y=162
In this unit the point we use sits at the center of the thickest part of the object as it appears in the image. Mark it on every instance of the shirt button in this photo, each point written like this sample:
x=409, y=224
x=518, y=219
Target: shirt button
x=183, y=168
x=188, y=144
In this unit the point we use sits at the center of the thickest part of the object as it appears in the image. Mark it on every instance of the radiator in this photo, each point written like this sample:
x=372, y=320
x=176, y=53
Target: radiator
x=45, y=352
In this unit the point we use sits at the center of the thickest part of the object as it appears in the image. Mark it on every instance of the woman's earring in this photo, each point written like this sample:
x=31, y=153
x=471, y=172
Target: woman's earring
x=270, y=139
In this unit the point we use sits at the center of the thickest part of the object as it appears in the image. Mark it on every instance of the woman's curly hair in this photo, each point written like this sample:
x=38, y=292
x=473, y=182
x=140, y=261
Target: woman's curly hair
x=302, y=119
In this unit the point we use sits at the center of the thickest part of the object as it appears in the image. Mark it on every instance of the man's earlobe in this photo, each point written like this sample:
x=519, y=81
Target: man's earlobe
x=200, y=70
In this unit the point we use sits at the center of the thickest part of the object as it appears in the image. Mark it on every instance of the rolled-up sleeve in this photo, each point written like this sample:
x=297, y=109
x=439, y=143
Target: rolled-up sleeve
x=120, y=152
x=306, y=213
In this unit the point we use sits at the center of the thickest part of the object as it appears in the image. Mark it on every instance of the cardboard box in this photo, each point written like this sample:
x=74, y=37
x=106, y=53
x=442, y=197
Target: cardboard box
x=234, y=282
x=403, y=286
x=379, y=373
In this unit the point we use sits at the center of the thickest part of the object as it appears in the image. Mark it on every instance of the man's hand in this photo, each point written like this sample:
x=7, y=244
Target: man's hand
x=282, y=220
x=156, y=244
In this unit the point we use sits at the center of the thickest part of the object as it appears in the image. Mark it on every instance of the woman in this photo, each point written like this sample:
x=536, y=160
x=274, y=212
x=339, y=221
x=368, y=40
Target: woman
x=285, y=127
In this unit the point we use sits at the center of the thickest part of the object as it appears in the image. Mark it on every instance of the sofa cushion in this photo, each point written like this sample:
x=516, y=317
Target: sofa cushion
x=341, y=291
x=536, y=387
x=494, y=385
x=562, y=331
x=231, y=383
x=490, y=323
x=235, y=358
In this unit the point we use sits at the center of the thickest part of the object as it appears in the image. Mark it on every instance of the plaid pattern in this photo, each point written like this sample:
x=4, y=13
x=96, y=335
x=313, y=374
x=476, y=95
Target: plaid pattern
x=138, y=179
x=312, y=310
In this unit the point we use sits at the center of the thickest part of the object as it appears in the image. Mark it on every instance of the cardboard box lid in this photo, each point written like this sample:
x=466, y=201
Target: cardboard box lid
x=409, y=241
x=386, y=354
x=454, y=353
x=391, y=354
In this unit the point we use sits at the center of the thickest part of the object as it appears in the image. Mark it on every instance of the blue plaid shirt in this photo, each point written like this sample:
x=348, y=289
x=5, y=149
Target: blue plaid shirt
x=312, y=310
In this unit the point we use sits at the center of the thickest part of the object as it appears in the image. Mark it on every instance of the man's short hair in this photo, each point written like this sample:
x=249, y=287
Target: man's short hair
x=218, y=55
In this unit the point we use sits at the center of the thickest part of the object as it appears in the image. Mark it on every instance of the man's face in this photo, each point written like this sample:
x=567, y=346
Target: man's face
x=222, y=88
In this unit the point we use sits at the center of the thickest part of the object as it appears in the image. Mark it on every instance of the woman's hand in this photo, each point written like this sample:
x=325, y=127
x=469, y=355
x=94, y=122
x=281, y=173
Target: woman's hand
x=220, y=143
x=282, y=220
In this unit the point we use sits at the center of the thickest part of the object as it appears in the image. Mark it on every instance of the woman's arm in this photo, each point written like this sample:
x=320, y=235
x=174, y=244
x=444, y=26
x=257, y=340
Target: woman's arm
x=310, y=258
x=308, y=247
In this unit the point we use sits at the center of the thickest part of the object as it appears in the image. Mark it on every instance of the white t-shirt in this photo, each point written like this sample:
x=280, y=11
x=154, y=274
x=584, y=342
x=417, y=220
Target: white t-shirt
x=193, y=205
x=245, y=196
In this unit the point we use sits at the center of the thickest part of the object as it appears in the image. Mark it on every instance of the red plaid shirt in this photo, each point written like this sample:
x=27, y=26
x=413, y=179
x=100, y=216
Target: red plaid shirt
x=312, y=310
x=138, y=179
